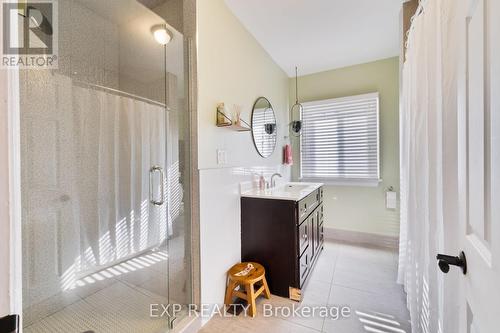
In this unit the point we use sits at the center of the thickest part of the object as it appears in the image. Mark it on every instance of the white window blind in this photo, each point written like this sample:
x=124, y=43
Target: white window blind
x=340, y=139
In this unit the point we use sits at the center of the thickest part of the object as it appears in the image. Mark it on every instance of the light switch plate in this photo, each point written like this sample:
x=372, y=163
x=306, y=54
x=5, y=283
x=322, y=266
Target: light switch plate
x=221, y=157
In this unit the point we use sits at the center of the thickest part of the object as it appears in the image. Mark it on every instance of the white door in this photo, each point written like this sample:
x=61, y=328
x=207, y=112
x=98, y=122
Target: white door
x=479, y=165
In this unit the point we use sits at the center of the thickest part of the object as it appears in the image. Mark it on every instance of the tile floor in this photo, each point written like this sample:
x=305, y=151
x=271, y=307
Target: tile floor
x=345, y=275
x=117, y=299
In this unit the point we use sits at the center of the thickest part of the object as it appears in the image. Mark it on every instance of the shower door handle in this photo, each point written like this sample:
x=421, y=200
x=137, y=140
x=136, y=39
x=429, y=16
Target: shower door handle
x=156, y=169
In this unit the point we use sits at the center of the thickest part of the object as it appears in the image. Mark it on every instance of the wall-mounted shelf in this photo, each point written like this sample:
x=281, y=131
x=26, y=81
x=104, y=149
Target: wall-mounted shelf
x=224, y=121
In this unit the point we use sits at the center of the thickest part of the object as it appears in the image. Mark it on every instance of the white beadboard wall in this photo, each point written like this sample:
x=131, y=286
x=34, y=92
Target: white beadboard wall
x=220, y=225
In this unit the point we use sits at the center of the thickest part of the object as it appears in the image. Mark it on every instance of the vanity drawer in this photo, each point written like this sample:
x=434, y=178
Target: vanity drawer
x=303, y=236
x=308, y=204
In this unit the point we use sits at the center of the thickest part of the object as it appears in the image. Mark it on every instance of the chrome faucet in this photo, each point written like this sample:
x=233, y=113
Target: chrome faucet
x=273, y=182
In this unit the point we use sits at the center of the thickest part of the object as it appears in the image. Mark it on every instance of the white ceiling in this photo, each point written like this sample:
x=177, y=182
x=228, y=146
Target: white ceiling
x=318, y=35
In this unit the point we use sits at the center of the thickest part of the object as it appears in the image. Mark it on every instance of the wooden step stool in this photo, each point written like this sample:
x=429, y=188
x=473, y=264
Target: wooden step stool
x=247, y=283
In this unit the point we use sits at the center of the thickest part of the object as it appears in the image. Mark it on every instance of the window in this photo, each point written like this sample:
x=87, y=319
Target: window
x=340, y=140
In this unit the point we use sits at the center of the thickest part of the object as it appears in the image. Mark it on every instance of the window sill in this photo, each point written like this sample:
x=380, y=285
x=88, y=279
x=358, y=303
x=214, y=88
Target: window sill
x=344, y=182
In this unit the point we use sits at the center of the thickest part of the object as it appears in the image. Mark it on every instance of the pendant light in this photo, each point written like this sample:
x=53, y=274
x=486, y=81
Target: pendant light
x=296, y=111
x=161, y=34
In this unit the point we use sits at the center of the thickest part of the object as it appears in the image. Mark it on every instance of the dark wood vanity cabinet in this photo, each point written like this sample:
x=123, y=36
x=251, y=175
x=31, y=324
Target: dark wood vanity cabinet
x=285, y=236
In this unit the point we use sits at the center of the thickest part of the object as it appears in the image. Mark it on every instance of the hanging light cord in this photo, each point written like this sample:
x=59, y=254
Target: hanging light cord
x=296, y=87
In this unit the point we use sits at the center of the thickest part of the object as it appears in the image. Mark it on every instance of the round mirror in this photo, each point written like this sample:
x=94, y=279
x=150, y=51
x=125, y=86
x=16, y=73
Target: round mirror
x=264, y=127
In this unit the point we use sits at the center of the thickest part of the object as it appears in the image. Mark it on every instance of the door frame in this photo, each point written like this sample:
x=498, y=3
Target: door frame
x=10, y=193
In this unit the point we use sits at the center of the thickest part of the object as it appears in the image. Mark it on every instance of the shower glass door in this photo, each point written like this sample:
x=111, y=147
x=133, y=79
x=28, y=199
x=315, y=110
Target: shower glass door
x=104, y=226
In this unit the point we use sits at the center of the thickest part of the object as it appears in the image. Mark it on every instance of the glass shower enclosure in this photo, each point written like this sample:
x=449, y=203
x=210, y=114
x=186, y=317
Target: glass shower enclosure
x=105, y=224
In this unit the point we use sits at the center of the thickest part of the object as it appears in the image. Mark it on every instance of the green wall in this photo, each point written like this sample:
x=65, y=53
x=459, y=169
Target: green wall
x=360, y=208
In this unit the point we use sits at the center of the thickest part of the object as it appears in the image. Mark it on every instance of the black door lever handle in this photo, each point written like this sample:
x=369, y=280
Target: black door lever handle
x=445, y=261
x=9, y=324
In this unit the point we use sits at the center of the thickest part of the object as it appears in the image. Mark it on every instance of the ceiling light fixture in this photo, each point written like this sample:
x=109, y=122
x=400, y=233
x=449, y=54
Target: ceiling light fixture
x=161, y=34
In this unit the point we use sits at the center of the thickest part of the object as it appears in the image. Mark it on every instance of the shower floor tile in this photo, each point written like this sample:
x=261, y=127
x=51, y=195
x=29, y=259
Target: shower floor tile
x=116, y=299
x=49, y=306
x=117, y=308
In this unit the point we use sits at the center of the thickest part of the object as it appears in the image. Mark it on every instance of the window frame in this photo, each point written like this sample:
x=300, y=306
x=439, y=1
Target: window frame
x=344, y=181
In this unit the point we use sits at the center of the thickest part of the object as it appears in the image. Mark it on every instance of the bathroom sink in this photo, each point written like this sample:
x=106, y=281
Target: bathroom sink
x=288, y=191
x=294, y=187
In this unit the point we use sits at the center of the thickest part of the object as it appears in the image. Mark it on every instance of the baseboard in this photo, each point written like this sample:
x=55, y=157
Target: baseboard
x=188, y=325
x=362, y=238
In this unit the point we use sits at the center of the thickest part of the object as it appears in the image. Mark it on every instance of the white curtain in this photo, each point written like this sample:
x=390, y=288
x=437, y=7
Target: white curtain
x=118, y=139
x=428, y=145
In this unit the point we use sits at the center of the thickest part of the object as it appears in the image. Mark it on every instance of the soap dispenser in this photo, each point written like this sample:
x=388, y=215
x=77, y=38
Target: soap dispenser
x=262, y=183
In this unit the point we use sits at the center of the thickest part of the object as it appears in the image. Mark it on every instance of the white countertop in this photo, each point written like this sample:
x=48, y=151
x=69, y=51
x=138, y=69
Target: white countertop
x=289, y=191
